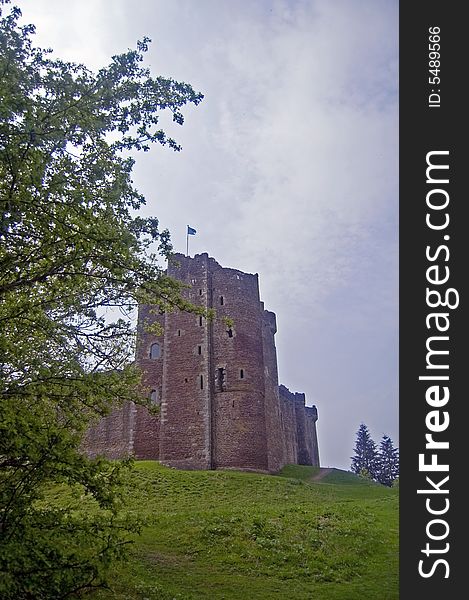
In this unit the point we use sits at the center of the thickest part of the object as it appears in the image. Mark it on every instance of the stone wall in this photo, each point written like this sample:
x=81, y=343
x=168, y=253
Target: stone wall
x=273, y=420
x=147, y=426
x=311, y=418
x=186, y=409
x=112, y=436
x=216, y=383
x=238, y=372
x=299, y=429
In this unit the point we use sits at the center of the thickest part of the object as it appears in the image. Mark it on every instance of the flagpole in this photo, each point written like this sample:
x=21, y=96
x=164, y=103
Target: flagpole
x=190, y=231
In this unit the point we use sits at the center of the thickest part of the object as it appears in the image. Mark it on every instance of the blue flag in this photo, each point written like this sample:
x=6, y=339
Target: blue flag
x=191, y=231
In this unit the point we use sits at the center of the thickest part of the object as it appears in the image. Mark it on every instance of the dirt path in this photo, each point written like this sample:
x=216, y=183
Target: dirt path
x=322, y=473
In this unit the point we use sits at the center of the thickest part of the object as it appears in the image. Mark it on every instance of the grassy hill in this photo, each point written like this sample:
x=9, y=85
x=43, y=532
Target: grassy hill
x=226, y=535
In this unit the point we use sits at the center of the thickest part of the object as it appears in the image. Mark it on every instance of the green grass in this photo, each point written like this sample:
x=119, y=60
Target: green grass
x=229, y=535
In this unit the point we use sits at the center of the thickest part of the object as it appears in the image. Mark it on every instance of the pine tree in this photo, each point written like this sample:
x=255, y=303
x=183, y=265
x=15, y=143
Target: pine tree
x=388, y=462
x=364, y=462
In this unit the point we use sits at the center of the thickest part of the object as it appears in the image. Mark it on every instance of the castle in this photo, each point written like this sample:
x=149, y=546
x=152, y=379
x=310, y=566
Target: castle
x=215, y=381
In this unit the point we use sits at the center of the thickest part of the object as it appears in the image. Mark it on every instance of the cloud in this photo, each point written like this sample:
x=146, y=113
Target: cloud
x=289, y=169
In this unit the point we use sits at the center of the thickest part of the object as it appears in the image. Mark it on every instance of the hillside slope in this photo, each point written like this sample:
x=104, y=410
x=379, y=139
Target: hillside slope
x=229, y=535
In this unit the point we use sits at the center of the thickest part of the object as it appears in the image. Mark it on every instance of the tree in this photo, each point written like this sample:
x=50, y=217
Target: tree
x=364, y=461
x=388, y=461
x=72, y=254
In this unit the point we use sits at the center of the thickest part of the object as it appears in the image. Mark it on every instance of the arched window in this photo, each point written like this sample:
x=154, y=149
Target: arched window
x=154, y=399
x=155, y=350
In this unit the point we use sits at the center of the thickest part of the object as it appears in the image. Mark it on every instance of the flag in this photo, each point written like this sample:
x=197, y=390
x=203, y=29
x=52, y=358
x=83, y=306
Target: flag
x=191, y=231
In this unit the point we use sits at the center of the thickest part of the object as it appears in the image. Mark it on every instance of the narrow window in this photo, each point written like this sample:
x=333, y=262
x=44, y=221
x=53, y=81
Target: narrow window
x=232, y=404
x=200, y=321
x=155, y=351
x=201, y=382
x=221, y=300
x=241, y=374
x=200, y=292
x=230, y=332
x=179, y=332
x=199, y=348
x=185, y=379
x=220, y=379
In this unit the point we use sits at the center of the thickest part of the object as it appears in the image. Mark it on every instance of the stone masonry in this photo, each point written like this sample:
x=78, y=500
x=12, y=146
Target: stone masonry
x=217, y=386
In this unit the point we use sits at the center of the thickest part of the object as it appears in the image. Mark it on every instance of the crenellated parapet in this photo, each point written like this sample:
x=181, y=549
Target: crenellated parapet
x=215, y=381
x=299, y=427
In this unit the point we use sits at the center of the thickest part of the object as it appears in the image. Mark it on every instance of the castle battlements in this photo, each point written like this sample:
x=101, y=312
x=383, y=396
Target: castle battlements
x=216, y=384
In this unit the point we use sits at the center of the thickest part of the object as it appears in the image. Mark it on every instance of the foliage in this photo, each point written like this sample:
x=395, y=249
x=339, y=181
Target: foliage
x=365, y=474
x=380, y=465
x=72, y=256
x=364, y=461
x=388, y=460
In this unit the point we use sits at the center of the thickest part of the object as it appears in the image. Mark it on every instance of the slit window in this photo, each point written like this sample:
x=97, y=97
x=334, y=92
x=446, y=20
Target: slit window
x=200, y=292
x=201, y=321
x=201, y=382
x=230, y=332
x=155, y=351
x=222, y=301
x=220, y=379
x=179, y=332
x=241, y=373
x=199, y=348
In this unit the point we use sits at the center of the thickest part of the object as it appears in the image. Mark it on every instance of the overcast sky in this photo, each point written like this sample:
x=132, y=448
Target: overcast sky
x=289, y=169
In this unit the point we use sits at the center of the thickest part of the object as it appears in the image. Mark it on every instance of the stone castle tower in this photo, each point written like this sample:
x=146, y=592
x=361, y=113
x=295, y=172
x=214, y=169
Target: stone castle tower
x=217, y=386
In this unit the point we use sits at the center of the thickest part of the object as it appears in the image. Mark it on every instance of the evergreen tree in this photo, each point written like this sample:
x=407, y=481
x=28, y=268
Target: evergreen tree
x=388, y=462
x=364, y=462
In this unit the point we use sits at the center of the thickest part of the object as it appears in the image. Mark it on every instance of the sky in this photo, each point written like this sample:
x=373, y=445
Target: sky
x=289, y=169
